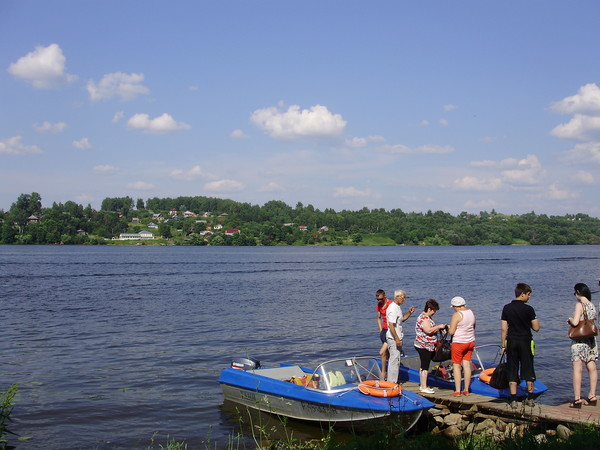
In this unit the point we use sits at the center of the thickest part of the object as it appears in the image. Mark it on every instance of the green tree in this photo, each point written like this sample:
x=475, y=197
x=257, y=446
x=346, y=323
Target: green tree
x=117, y=204
x=164, y=229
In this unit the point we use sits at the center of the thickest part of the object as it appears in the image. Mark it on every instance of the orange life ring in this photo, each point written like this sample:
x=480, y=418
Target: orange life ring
x=378, y=388
x=486, y=375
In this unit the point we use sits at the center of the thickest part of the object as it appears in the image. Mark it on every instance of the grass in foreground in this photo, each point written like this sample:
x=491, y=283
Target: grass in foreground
x=582, y=438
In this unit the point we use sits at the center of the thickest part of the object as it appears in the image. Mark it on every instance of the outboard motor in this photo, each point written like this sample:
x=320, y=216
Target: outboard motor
x=245, y=363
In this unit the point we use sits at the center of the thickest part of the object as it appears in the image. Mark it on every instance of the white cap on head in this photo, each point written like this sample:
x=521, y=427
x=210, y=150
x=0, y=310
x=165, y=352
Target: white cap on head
x=458, y=301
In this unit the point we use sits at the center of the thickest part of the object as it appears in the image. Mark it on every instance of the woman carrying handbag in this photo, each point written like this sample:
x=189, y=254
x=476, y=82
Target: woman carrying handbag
x=583, y=350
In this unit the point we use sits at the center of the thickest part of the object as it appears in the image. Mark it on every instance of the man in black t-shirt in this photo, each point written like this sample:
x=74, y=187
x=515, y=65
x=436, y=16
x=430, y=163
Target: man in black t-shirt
x=518, y=319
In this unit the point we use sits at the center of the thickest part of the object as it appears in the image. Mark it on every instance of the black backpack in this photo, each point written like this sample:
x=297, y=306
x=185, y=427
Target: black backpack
x=499, y=378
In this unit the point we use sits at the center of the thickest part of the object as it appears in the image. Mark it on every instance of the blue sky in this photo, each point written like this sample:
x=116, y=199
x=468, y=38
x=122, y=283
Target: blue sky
x=418, y=105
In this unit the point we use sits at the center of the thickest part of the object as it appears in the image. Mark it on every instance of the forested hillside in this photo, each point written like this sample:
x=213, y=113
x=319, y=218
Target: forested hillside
x=214, y=221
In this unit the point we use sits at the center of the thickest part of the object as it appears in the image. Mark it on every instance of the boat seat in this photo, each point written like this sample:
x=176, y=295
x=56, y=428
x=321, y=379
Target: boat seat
x=302, y=381
x=336, y=378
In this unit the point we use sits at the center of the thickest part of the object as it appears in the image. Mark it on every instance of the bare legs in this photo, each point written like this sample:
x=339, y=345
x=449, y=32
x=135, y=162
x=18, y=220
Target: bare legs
x=457, y=376
x=383, y=352
x=467, y=370
x=593, y=373
x=578, y=375
x=423, y=378
x=577, y=369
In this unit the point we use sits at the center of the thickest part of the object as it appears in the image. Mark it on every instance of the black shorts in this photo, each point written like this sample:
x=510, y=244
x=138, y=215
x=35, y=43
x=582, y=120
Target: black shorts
x=519, y=355
x=425, y=356
x=382, y=334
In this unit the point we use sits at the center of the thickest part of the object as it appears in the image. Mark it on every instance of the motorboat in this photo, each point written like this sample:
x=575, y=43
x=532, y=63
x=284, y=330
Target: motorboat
x=339, y=391
x=441, y=373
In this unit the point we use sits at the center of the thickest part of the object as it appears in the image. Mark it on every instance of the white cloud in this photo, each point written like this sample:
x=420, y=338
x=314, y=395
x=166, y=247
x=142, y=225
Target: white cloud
x=271, y=187
x=555, y=193
x=44, y=68
x=298, y=124
x=352, y=192
x=513, y=172
x=358, y=142
x=48, y=127
x=397, y=149
x=118, y=116
x=443, y=122
x=140, y=186
x=584, y=153
x=82, y=144
x=427, y=149
x=105, y=169
x=585, y=101
x=585, y=107
x=160, y=125
x=584, y=177
x=424, y=123
x=484, y=163
x=122, y=85
x=527, y=171
x=238, y=134
x=436, y=149
x=192, y=174
x=224, y=186
x=450, y=107
x=490, y=139
x=13, y=146
x=580, y=127
x=470, y=183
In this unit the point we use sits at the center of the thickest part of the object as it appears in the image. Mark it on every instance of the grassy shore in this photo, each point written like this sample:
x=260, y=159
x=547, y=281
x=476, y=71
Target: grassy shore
x=581, y=438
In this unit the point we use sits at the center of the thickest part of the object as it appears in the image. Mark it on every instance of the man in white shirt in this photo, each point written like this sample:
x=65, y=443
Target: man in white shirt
x=395, y=334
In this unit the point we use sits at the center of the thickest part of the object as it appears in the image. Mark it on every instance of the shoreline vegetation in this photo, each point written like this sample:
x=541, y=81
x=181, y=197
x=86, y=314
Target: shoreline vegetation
x=224, y=222
x=455, y=431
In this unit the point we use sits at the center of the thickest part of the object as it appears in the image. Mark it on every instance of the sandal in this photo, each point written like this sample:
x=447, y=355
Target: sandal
x=591, y=401
x=576, y=404
x=456, y=394
x=465, y=393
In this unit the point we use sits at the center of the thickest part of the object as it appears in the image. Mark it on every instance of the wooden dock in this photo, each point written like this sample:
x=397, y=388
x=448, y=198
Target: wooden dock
x=499, y=408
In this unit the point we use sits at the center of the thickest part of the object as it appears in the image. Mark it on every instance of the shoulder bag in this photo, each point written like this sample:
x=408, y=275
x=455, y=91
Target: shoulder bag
x=586, y=328
x=443, y=347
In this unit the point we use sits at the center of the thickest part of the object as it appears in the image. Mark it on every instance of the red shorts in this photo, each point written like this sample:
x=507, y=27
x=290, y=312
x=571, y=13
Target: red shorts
x=462, y=352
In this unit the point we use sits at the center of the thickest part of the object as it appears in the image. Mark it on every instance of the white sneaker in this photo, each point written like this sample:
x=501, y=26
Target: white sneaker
x=426, y=390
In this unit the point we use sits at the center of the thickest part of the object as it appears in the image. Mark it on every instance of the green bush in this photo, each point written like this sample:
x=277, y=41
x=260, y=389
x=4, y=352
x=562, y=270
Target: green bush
x=6, y=407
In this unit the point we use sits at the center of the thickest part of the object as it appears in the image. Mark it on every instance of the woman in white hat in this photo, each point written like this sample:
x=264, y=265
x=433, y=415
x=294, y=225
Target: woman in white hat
x=462, y=328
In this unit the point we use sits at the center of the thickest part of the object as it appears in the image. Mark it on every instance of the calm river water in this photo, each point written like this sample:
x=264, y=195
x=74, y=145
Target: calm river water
x=110, y=345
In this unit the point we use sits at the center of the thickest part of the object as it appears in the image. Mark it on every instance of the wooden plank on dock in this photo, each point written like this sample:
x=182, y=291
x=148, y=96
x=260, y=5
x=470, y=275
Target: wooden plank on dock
x=499, y=407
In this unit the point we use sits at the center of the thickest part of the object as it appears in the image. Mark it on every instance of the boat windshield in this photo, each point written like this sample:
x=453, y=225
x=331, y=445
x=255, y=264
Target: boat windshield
x=343, y=374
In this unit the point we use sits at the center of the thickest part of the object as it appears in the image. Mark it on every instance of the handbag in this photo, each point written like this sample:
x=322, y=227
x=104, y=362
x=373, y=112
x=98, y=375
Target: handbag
x=443, y=348
x=586, y=328
x=499, y=378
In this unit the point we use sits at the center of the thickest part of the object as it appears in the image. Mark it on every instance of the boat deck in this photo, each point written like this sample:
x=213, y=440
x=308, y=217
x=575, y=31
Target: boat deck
x=281, y=373
x=499, y=407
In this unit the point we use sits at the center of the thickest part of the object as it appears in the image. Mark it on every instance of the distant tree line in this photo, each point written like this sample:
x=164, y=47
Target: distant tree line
x=276, y=223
